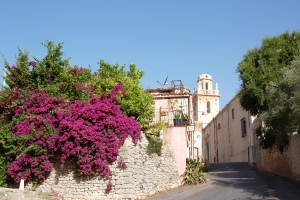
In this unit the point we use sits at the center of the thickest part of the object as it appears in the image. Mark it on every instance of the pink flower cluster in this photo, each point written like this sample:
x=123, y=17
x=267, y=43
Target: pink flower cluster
x=31, y=63
x=89, y=133
x=121, y=164
x=27, y=166
x=82, y=87
x=109, y=186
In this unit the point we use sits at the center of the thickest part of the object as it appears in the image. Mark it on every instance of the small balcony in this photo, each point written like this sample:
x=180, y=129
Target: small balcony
x=173, y=118
x=212, y=92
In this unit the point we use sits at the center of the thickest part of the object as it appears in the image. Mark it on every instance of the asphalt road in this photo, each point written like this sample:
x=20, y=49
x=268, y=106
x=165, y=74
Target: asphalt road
x=235, y=181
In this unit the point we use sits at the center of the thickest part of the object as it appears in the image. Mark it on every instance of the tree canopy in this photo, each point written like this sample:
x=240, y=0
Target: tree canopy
x=283, y=116
x=137, y=102
x=261, y=66
x=54, y=74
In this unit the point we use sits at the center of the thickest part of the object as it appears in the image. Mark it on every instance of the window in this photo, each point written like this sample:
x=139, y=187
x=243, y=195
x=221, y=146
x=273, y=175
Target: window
x=232, y=112
x=243, y=127
x=206, y=86
x=219, y=126
x=208, y=107
x=207, y=151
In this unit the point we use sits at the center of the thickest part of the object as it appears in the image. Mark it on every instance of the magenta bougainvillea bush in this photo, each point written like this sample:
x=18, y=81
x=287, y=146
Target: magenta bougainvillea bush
x=88, y=133
x=51, y=110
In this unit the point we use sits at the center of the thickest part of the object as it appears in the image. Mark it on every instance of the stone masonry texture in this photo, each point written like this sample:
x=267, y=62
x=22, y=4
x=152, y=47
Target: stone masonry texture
x=145, y=175
x=285, y=164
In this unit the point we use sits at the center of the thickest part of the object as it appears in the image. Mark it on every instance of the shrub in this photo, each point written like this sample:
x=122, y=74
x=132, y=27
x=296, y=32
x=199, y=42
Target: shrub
x=155, y=128
x=89, y=133
x=53, y=109
x=194, y=173
x=154, y=145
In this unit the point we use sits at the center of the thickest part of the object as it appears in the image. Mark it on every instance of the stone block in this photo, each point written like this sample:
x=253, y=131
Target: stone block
x=126, y=196
x=128, y=180
x=127, y=186
x=120, y=191
x=125, y=174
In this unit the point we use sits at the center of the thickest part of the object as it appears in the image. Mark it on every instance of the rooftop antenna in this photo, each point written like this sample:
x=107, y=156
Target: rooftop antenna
x=165, y=83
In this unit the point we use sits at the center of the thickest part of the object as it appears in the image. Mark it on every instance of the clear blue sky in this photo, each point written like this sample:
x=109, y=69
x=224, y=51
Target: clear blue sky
x=179, y=39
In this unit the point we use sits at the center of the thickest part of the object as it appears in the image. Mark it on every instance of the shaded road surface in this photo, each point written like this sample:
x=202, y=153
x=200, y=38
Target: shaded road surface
x=235, y=181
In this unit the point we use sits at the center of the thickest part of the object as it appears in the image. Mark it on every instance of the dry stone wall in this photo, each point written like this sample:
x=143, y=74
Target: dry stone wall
x=286, y=163
x=295, y=156
x=276, y=162
x=256, y=148
x=145, y=175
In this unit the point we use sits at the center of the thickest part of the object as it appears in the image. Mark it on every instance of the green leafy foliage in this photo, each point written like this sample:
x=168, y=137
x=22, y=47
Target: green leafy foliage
x=153, y=137
x=54, y=75
x=261, y=66
x=7, y=146
x=137, y=102
x=51, y=108
x=154, y=145
x=4, y=165
x=37, y=74
x=155, y=128
x=283, y=116
x=194, y=172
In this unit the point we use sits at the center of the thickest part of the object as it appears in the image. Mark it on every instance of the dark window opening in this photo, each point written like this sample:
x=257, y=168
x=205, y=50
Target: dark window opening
x=243, y=127
x=208, y=107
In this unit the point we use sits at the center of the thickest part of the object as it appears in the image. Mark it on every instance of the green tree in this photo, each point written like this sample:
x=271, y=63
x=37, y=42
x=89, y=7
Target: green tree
x=261, y=66
x=137, y=102
x=37, y=74
x=283, y=116
x=54, y=75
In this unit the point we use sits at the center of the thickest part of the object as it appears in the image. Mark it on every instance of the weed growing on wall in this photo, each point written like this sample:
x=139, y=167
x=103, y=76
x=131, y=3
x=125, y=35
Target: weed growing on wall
x=154, y=145
x=153, y=137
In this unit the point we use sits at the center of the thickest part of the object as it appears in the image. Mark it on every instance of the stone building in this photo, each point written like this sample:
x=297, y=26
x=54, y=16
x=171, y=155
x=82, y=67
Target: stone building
x=206, y=100
x=206, y=104
x=170, y=103
x=200, y=107
x=229, y=136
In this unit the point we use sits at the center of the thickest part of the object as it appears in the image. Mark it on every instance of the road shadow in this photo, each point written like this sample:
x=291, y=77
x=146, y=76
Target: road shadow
x=245, y=178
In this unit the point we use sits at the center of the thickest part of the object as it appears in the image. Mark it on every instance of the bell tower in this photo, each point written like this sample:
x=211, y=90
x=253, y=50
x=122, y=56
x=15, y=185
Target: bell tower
x=206, y=100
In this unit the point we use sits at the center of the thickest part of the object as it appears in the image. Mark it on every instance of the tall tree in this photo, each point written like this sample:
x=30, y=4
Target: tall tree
x=283, y=116
x=37, y=73
x=137, y=102
x=261, y=66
